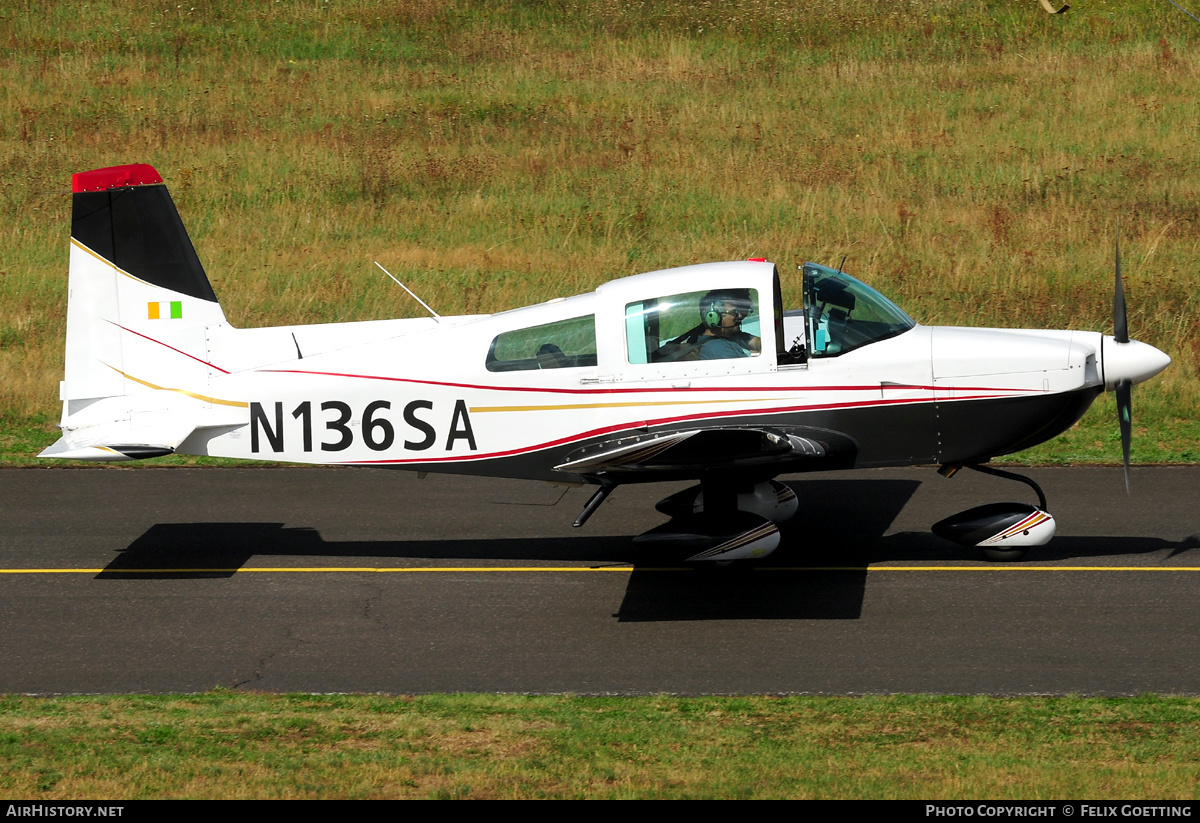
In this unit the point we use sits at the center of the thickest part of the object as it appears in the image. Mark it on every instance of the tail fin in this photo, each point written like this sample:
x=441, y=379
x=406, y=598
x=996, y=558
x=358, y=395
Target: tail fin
x=139, y=312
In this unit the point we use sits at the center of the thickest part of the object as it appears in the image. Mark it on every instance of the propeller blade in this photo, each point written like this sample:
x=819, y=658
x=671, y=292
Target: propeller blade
x=1120, y=326
x=1125, y=418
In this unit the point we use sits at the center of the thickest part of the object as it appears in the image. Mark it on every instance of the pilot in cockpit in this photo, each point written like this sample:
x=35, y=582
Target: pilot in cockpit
x=721, y=315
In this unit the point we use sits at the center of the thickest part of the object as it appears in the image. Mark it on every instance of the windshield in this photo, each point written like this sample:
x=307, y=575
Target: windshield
x=845, y=314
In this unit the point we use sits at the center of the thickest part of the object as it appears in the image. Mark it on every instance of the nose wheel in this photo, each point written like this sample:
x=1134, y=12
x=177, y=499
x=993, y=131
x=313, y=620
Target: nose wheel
x=1004, y=532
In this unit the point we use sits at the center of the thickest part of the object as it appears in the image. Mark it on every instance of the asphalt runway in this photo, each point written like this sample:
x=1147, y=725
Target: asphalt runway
x=343, y=580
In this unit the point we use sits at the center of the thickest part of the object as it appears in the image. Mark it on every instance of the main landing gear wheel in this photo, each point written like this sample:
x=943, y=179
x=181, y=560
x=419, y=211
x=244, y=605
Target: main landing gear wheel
x=773, y=500
x=735, y=535
x=1004, y=555
x=719, y=523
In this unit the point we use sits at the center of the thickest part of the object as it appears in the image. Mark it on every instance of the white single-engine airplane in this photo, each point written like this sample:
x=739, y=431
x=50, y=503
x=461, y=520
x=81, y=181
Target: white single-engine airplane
x=698, y=373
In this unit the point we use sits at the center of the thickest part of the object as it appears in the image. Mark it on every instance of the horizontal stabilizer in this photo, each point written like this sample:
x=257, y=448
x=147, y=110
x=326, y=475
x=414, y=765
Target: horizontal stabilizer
x=136, y=427
x=104, y=454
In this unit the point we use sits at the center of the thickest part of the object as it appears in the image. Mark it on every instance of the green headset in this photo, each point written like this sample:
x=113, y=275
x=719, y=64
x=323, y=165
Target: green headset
x=709, y=314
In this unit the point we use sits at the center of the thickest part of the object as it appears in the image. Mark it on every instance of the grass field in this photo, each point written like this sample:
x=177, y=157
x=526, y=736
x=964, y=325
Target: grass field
x=231, y=745
x=970, y=159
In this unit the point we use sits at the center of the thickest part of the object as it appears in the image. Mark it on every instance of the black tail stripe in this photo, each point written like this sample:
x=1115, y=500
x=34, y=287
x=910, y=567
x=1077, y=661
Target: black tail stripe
x=139, y=230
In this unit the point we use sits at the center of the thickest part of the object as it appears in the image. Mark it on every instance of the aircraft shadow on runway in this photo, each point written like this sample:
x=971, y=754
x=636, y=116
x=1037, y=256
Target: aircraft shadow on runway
x=842, y=526
x=843, y=517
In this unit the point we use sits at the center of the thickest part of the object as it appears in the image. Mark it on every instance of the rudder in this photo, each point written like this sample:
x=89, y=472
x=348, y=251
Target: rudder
x=140, y=313
x=139, y=300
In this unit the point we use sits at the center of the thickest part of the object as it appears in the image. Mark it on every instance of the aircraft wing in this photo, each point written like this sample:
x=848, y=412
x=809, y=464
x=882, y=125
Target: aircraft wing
x=691, y=452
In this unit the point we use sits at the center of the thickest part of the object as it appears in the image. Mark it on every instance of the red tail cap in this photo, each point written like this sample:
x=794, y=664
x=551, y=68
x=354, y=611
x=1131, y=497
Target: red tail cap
x=115, y=177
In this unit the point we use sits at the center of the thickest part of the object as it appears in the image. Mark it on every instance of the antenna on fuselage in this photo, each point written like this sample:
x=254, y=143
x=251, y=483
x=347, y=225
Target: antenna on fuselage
x=437, y=317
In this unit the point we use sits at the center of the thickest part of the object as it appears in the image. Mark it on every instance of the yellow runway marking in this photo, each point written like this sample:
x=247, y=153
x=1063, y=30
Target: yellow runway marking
x=615, y=568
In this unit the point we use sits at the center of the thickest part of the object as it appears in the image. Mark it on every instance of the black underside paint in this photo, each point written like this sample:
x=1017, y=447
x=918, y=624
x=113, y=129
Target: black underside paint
x=975, y=430
x=877, y=436
x=139, y=230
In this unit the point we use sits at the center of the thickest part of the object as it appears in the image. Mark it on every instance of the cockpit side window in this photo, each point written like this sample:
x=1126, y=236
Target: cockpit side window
x=845, y=314
x=564, y=344
x=716, y=324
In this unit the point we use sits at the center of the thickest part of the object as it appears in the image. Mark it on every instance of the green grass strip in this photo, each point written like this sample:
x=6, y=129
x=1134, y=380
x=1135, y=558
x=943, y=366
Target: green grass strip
x=234, y=745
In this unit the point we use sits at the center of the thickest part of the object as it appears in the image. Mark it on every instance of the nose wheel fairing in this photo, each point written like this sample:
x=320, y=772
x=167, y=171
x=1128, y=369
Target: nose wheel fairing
x=1003, y=531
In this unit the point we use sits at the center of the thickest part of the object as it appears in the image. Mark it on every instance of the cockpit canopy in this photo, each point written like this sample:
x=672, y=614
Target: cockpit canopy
x=675, y=323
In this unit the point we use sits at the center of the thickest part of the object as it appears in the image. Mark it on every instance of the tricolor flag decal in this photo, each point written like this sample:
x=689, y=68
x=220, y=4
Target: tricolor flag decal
x=154, y=310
